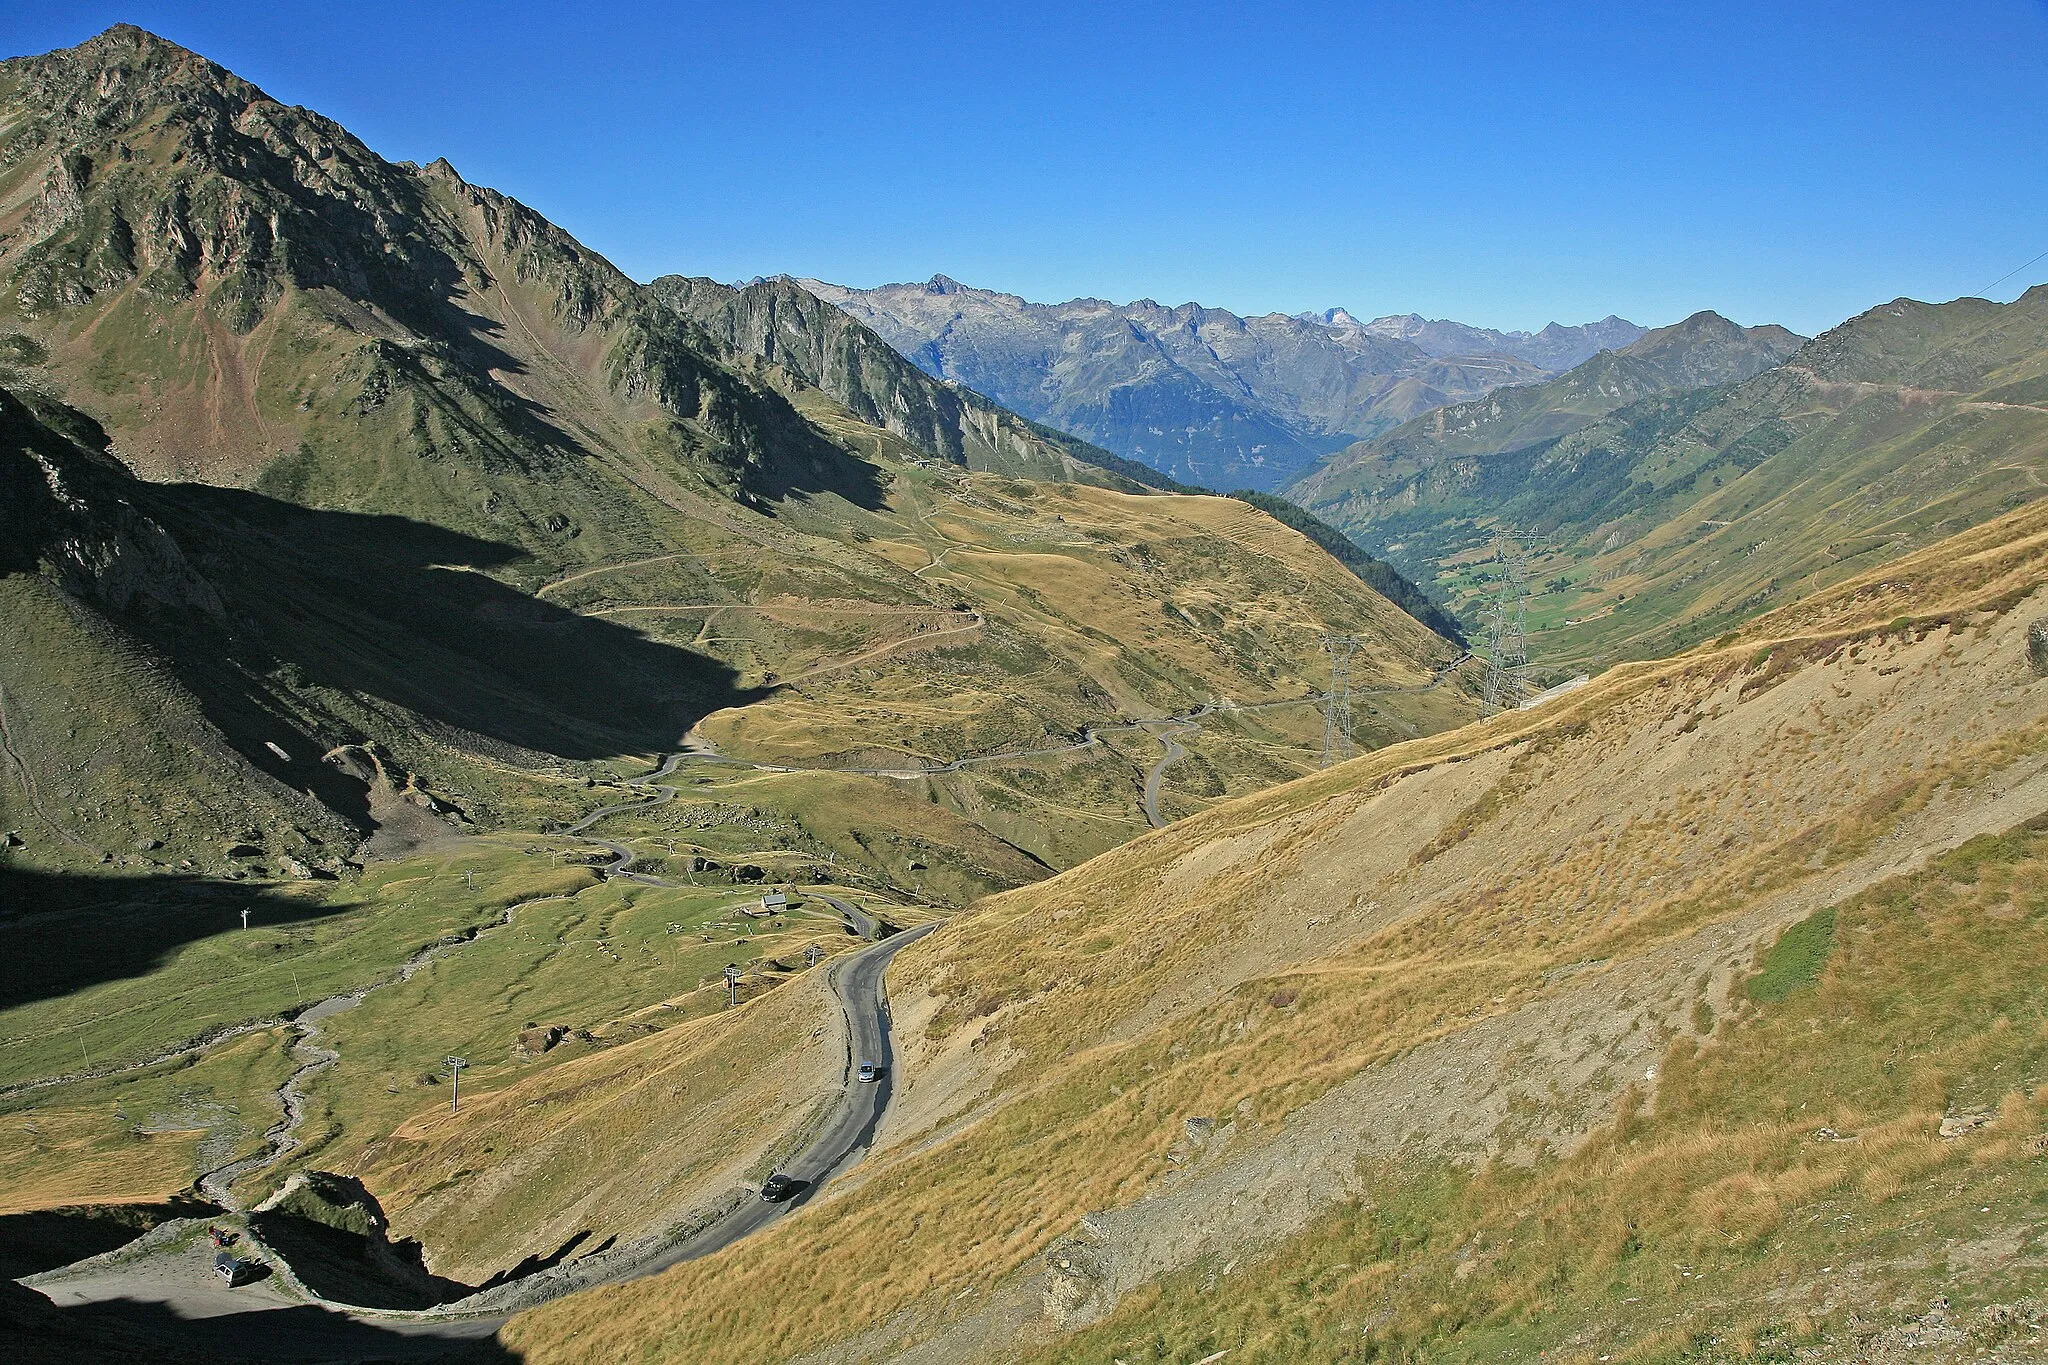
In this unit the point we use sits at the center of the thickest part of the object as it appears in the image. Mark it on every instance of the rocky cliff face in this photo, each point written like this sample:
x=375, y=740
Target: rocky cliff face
x=158, y=166
x=824, y=347
x=1202, y=394
x=63, y=510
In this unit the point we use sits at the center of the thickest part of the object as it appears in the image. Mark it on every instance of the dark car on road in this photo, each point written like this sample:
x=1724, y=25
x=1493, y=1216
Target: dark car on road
x=778, y=1188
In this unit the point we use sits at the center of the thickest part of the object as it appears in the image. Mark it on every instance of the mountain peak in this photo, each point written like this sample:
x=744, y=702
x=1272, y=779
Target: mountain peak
x=943, y=284
x=125, y=48
x=1697, y=348
x=140, y=40
x=118, y=78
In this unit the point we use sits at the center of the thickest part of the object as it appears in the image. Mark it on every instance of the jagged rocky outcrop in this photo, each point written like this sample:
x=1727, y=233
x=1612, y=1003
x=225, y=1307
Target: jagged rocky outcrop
x=824, y=347
x=62, y=510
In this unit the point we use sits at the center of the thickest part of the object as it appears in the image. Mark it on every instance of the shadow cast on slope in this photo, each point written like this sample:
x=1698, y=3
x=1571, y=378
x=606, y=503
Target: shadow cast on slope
x=62, y=932
x=45, y=1239
x=384, y=609
x=336, y=1237
x=801, y=463
x=36, y=1331
x=536, y=1263
x=378, y=612
x=763, y=441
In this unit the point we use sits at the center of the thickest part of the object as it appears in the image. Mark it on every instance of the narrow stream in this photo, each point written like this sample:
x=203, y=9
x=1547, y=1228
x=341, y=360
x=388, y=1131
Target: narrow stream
x=282, y=1137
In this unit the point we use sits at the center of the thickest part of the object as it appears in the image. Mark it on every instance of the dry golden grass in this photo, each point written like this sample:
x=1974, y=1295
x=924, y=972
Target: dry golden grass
x=1157, y=603
x=142, y=1136
x=621, y=1143
x=1097, y=607
x=1248, y=959
x=1790, y=1180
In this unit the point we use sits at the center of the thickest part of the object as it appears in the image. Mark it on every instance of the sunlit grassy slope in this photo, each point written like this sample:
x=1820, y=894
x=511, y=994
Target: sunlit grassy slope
x=1672, y=518
x=500, y=949
x=1849, y=1167
x=143, y=1135
x=1426, y=977
x=629, y=1141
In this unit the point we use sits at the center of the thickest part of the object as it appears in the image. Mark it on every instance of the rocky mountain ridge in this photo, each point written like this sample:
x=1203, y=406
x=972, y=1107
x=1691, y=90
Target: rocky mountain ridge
x=162, y=171
x=1202, y=394
x=1703, y=350
x=1556, y=347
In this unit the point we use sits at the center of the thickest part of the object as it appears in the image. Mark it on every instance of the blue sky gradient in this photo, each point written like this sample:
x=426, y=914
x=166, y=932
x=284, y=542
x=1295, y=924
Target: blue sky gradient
x=1504, y=164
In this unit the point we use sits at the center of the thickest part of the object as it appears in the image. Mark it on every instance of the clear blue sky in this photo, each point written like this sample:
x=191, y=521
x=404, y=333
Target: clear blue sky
x=1501, y=163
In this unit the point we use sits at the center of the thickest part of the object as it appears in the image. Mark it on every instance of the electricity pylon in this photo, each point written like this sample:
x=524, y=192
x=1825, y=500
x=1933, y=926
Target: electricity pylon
x=1337, y=702
x=1507, y=623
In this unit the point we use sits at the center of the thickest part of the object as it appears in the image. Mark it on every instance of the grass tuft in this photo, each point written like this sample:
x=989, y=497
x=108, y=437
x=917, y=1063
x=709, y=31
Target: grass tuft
x=1796, y=959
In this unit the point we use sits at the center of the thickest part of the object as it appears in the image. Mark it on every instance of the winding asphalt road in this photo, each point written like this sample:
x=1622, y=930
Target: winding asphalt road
x=847, y=1135
x=857, y=919
x=1156, y=776
x=179, y=1295
x=623, y=857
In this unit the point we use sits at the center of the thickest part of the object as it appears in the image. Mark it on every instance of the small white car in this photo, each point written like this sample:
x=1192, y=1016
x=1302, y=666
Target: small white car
x=868, y=1074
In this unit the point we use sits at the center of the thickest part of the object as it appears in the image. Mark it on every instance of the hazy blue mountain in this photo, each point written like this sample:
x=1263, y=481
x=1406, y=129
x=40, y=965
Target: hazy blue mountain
x=1202, y=394
x=1556, y=347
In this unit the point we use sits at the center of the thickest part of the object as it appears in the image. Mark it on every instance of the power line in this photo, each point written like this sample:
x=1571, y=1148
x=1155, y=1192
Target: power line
x=1986, y=290
x=1507, y=623
x=1337, y=745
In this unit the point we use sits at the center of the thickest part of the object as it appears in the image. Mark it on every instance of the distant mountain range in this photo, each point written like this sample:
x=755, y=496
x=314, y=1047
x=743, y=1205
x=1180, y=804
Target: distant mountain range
x=1202, y=394
x=1556, y=347
x=1708, y=471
